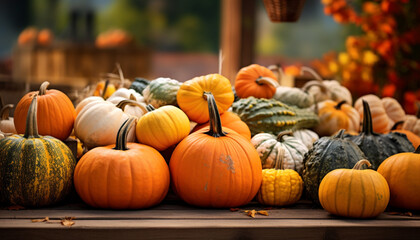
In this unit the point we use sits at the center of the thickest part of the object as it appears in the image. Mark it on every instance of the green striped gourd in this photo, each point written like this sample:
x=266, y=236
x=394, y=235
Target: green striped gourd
x=271, y=116
x=35, y=170
x=161, y=91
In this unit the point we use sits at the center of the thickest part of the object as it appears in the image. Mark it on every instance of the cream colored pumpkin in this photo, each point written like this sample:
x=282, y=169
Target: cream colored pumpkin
x=294, y=96
x=393, y=109
x=6, y=123
x=307, y=137
x=412, y=123
x=86, y=101
x=97, y=124
x=281, y=152
x=124, y=93
x=132, y=108
x=382, y=123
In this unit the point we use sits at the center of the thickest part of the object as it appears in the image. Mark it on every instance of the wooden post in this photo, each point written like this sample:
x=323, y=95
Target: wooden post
x=238, y=35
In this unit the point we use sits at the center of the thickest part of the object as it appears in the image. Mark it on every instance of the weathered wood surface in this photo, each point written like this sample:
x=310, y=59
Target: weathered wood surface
x=174, y=219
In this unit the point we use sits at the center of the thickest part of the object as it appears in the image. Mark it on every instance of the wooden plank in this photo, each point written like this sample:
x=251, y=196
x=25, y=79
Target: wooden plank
x=209, y=229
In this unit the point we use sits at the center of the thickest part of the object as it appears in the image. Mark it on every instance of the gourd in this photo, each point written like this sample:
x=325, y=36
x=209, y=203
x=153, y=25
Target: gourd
x=377, y=147
x=215, y=167
x=307, y=136
x=327, y=154
x=6, y=123
x=104, y=89
x=334, y=116
x=56, y=112
x=381, y=122
x=323, y=90
x=271, y=116
x=280, y=187
x=161, y=92
x=354, y=193
x=231, y=121
x=139, y=84
x=35, y=170
x=282, y=151
x=97, y=124
x=294, y=97
x=402, y=174
x=191, y=94
x=412, y=122
x=163, y=127
x=256, y=81
x=123, y=175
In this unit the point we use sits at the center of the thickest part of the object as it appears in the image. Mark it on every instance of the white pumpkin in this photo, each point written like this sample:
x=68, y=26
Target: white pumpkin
x=86, y=101
x=294, y=96
x=6, y=123
x=97, y=124
x=132, y=108
x=307, y=137
x=124, y=93
x=280, y=152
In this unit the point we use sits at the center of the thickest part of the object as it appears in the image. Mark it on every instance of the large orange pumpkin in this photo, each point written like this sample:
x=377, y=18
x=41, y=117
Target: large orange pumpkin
x=402, y=174
x=232, y=121
x=257, y=81
x=56, y=112
x=122, y=176
x=215, y=167
x=190, y=96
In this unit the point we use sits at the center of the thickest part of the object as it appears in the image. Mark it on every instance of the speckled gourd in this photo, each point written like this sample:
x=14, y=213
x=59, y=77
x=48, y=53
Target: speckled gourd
x=271, y=116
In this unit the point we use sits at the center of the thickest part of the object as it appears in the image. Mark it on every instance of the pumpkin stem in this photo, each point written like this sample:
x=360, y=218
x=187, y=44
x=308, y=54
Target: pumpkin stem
x=215, y=123
x=121, y=143
x=43, y=88
x=309, y=70
x=417, y=150
x=266, y=80
x=360, y=163
x=277, y=69
x=340, y=134
x=129, y=102
x=105, y=88
x=281, y=134
x=367, y=119
x=4, y=112
x=338, y=106
x=396, y=125
x=132, y=97
x=120, y=72
x=310, y=84
x=31, y=130
x=150, y=108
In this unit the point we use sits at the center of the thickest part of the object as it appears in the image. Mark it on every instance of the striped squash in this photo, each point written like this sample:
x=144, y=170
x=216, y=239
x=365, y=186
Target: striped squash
x=161, y=92
x=35, y=171
x=280, y=152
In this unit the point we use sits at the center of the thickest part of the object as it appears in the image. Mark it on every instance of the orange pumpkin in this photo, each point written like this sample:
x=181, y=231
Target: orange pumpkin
x=334, y=116
x=232, y=121
x=402, y=174
x=28, y=36
x=257, y=81
x=45, y=37
x=215, y=167
x=122, y=176
x=412, y=137
x=56, y=112
x=190, y=96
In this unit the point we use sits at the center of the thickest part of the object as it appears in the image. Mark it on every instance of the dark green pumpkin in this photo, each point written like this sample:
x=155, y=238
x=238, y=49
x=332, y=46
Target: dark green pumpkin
x=139, y=84
x=35, y=171
x=378, y=147
x=327, y=154
x=272, y=116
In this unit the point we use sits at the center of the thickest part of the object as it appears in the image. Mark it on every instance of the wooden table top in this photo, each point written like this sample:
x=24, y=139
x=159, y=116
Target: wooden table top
x=173, y=219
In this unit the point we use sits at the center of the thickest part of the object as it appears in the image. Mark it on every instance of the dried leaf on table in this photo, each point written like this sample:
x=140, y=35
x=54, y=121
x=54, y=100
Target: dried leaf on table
x=408, y=214
x=251, y=213
x=67, y=221
x=46, y=219
x=15, y=207
x=265, y=213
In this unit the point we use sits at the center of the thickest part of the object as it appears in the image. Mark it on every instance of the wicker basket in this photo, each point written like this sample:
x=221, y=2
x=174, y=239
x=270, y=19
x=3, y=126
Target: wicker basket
x=284, y=10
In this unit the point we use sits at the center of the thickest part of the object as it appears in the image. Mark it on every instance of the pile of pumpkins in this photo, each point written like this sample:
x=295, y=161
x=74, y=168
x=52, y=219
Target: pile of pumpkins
x=215, y=145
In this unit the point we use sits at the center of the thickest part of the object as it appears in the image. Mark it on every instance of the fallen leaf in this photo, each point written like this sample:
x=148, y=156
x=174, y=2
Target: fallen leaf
x=15, y=207
x=408, y=214
x=251, y=213
x=234, y=209
x=265, y=213
x=46, y=219
x=67, y=221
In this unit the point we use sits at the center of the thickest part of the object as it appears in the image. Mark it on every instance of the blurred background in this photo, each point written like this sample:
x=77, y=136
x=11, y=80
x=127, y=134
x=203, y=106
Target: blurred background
x=70, y=43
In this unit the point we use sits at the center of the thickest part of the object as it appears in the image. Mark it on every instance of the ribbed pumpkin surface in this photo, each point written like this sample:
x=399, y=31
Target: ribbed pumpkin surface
x=35, y=171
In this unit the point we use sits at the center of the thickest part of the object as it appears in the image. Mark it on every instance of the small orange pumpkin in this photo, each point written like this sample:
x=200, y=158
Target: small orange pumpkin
x=381, y=122
x=56, y=113
x=257, y=81
x=122, y=176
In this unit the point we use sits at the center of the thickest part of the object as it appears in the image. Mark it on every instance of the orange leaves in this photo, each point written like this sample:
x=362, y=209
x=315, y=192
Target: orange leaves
x=252, y=212
x=66, y=221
